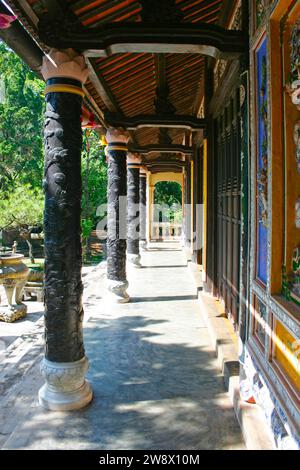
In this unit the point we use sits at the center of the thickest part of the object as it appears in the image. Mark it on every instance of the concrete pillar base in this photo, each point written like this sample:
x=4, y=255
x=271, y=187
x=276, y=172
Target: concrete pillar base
x=134, y=260
x=117, y=292
x=143, y=245
x=66, y=388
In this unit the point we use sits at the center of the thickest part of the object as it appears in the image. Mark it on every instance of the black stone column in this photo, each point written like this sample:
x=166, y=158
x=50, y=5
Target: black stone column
x=63, y=257
x=133, y=201
x=117, y=215
x=65, y=364
x=143, y=208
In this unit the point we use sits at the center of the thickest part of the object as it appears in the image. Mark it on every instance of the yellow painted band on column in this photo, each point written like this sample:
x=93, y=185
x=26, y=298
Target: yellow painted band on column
x=64, y=89
x=130, y=165
x=116, y=147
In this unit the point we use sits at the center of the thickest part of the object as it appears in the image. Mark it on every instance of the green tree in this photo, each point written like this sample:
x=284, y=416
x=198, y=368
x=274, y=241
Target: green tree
x=22, y=154
x=21, y=122
x=94, y=178
x=22, y=209
x=169, y=193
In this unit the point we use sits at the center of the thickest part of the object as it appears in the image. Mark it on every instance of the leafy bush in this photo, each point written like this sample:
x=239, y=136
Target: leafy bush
x=21, y=207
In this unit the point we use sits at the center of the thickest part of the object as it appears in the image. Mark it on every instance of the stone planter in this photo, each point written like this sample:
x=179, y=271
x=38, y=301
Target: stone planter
x=13, y=276
x=35, y=283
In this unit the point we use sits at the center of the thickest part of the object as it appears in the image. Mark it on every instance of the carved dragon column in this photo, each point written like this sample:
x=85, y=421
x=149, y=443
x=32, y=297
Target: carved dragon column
x=65, y=364
x=133, y=200
x=143, y=208
x=116, y=151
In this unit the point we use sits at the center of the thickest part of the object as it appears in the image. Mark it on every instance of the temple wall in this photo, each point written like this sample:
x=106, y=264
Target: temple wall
x=271, y=354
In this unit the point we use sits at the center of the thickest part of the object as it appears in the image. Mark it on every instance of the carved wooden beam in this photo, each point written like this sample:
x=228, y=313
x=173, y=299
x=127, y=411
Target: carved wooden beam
x=141, y=120
x=165, y=170
x=17, y=38
x=172, y=148
x=102, y=88
x=157, y=166
x=165, y=162
x=200, y=38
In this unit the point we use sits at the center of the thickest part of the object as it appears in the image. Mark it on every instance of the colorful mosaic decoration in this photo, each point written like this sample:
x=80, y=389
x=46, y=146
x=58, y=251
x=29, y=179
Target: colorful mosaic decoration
x=295, y=284
x=260, y=322
x=262, y=161
x=276, y=417
x=293, y=85
x=295, y=53
x=291, y=282
x=260, y=11
x=297, y=213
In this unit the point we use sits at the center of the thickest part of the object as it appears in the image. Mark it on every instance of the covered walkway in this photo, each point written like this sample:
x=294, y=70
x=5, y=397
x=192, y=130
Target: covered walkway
x=154, y=373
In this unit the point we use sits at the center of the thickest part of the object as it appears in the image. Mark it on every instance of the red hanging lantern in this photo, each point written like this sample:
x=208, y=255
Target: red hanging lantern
x=87, y=119
x=6, y=20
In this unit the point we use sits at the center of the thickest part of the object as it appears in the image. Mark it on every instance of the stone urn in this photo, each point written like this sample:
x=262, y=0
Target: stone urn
x=35, y=283
x=13, y=277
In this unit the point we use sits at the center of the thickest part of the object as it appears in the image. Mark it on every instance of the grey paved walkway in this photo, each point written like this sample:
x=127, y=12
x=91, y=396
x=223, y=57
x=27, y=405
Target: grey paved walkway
x=154, y=374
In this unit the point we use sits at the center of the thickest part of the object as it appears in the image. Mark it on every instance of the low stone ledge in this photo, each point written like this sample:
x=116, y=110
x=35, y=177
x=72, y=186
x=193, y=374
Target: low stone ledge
x=250, y=417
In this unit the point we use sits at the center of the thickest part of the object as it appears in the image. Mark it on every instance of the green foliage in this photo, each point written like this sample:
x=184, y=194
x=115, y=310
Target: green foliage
x=94, y=177
x=177, y=216
x=86, y=227
x=21, y=207
x=167, y=192
x=22, y=154
x=21, y=122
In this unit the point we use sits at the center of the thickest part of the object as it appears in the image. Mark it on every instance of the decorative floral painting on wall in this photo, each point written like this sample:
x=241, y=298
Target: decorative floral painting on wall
x=262, y=160
x=291, y=268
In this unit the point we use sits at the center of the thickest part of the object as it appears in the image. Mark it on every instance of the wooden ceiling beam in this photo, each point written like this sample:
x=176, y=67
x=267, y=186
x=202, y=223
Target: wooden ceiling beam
x=200, y=38
x=60, y=9
x=140, y=121
x=161, y=148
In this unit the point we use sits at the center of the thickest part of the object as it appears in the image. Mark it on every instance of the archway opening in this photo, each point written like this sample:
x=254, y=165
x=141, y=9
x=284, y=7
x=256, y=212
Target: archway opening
x=167, y=217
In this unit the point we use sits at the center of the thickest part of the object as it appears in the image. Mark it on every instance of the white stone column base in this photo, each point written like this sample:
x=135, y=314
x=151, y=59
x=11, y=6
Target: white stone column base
x=117, y=292
x=134, y=260
x=143, y=245
x=66, y=387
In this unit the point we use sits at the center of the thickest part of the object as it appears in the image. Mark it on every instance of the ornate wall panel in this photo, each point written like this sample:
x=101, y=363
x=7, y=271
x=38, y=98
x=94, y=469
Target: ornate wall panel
x=286, y=353
x=290, y=58
x=274, y=326
x=260, y=322
x=261, y=161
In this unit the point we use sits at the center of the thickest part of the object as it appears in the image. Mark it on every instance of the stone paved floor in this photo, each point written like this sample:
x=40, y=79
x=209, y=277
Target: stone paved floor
x=153, y=371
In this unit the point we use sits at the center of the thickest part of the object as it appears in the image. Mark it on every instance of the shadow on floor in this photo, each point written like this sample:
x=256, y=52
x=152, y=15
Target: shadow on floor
x=160, y=298
x=163, y=249
x=165, y=266
x=151, y=391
